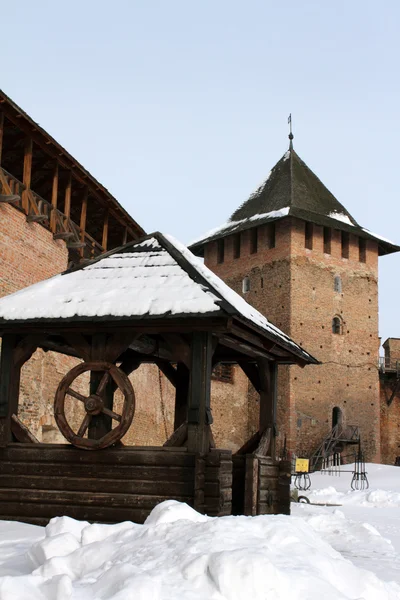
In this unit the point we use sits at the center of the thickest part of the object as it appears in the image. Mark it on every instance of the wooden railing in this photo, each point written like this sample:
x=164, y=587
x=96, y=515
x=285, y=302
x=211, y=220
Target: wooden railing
x=389, y=364
x=39, y=210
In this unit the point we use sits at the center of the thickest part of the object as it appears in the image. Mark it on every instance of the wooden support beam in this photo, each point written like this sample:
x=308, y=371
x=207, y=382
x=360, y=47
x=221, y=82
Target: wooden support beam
x=105, y=230
x=168, y=370
x=21, y=432
x=9, y=198
x=181, y=394
x=180, y=349
x=1, y=132
x=244, y=347
x=125, y=236
x=83, y=215
x=251, y=371
x=179, y=437
x=200, y=389
x=27, y=173
x=13, y=356
x=67, y=202
x=54, y=198
x=268, y=378
x=100, y=424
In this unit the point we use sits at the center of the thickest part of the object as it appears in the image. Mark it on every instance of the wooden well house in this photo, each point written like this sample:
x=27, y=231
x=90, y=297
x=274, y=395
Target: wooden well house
x=150, y=301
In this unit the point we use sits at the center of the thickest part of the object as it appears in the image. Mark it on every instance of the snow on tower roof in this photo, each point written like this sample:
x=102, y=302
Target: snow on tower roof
x=156, y=277
x=292, y=189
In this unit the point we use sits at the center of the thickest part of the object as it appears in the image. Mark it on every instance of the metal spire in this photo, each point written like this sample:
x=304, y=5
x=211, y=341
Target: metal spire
x=291, y=136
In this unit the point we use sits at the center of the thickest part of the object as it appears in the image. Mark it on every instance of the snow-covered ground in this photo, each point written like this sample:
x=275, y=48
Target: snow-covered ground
x=318, y=553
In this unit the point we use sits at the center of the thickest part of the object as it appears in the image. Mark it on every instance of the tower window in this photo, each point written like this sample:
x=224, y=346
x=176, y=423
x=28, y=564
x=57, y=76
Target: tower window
x=327, y=240
x=271, y=235
x=246, y=285
x=220, y=251
x=309, y=236
x=236, y=246
x=253, y=240
x=337, y=284
x=345, y=244
x=336, y=325
x=362, y=250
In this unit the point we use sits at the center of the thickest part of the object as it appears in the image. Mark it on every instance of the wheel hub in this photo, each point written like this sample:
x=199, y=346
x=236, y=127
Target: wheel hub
x=93, y=404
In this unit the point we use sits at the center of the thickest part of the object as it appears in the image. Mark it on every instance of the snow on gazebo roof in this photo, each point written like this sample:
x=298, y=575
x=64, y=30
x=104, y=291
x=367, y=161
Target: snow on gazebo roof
x=156, y=277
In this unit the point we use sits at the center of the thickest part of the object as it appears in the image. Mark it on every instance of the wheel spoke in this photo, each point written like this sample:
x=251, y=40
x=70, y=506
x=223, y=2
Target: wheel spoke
x=112, y=414
x=103, y=383
x=84, y=425
x=75, y=394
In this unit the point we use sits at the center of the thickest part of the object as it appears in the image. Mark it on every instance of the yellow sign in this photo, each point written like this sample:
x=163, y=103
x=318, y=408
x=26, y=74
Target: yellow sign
x=302, y=465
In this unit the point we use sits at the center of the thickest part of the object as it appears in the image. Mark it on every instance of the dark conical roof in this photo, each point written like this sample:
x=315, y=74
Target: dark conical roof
x=292, y=189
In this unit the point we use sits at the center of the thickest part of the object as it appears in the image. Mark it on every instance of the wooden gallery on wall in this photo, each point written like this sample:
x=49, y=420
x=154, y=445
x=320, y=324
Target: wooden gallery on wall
x=151, y=301
x=41, y=179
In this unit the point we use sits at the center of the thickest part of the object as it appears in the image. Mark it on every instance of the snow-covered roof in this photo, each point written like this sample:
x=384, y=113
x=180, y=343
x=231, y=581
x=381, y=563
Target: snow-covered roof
x=156, y=277
x=291, y=190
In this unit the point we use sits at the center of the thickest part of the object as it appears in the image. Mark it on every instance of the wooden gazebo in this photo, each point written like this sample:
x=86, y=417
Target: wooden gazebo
x=150, y=301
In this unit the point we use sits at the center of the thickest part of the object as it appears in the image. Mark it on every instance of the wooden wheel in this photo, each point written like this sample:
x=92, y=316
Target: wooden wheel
x=94, y=404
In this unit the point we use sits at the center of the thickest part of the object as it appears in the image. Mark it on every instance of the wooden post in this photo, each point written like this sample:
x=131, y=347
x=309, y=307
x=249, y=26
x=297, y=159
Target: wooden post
x=268, y=378
x=125, y=236
x=26, y=179
x=67, y=203
x=199, y=395
x=1, y=132
x=83, y=217
x=105, y=230
x=181, y=394
x=100, y=424
x=54, y=197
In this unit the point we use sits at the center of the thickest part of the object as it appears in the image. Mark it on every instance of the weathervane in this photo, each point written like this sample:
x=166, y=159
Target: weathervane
x=291, y=136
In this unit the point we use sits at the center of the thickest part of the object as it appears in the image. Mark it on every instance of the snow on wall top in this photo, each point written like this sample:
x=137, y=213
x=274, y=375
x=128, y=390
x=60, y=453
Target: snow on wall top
x=143, y=280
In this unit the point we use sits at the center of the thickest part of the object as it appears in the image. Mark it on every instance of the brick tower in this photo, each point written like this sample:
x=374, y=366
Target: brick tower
x=295, y=253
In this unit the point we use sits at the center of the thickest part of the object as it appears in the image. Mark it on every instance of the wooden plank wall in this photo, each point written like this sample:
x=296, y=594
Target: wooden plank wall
x=40, y=481
x=218, y=483
x=261, y=485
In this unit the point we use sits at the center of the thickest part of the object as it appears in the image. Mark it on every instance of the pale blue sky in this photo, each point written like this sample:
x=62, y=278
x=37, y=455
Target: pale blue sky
x=180, y=107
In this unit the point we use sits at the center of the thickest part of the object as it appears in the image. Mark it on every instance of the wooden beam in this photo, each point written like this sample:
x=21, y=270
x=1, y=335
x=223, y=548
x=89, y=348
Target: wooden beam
x=179, y=436
x=83, y=215
x=244, y=347
x=200, y=390
x=21, y=432
x=1, y=132
x=125, y=236
x=100, y=424
x=67, y=203
x=179, y=347
x=105, y=230
x=27, y=173
x=251, y=371
x=168, y=370
x=181, y=394
x=54, y=198
x=268, y=377
x=9, y=387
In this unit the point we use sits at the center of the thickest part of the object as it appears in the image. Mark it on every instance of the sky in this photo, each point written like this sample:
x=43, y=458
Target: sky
x=180, y=107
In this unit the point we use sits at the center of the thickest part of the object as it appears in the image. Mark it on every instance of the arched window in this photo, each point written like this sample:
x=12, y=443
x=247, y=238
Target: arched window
x=337, y=285
x=336, y=325
x=246, y=285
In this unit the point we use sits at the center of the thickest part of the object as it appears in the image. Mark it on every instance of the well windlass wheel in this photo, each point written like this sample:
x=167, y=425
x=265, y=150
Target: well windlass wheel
x=94, y=404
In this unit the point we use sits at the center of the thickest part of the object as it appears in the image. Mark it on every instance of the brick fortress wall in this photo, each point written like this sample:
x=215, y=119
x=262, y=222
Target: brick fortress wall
x=294, y=287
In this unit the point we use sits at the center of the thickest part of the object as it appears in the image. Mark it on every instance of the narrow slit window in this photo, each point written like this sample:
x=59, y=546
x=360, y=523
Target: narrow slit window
x=220, y=251
x=246, y=285
x=327, y=240
x=362, y=250
x=345, y=244
x=253, y=240
x=337, y=285
x=271, y=235
x=236, y=246
x=336, y=325
x=309, y=236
